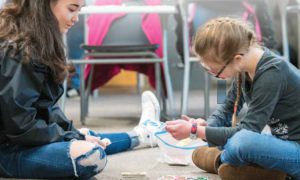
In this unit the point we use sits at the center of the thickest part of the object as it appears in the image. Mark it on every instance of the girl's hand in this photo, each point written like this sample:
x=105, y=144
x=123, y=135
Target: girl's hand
x=199, y=121
x=96, y=141
x=84, y=131
x=179, y=129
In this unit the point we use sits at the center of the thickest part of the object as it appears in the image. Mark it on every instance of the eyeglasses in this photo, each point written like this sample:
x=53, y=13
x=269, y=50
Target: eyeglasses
x=217, y=75
x=222, y=69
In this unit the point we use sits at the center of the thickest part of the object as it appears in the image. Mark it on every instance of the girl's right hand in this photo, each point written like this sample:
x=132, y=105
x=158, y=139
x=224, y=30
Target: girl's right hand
x=199, y=121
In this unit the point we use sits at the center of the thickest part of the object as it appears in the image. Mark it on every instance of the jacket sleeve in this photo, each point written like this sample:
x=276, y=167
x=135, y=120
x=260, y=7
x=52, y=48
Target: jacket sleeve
x=20, y=86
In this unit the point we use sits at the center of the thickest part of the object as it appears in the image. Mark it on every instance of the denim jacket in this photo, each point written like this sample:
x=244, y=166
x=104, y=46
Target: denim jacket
x=273, y=98
x=28, y=112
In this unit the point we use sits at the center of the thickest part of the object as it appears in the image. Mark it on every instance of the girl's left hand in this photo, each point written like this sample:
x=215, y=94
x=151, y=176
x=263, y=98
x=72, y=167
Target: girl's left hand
x=179, y=129
x=103, y=143
x=84, y=131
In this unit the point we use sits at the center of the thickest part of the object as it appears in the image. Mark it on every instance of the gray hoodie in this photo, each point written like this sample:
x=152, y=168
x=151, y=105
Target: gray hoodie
x=273, y=98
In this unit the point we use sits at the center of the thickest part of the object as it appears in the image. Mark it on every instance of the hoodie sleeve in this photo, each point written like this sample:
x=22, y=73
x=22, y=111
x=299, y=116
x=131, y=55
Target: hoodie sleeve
x=267, y=90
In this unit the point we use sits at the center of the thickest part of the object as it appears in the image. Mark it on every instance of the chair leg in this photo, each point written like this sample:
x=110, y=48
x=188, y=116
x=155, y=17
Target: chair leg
x=85, y=93
x=158, y=82
x=285, y=41
x=185, y=90
x=187, y=61
x=169, y=90
x=206, y=95
x=82, y=94
x=167, y=71
x=140, y=83
x=88, y=91
x=62, y=100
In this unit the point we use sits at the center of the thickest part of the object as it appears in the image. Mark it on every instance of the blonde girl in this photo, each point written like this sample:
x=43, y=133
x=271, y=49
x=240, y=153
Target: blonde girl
x=269, y=85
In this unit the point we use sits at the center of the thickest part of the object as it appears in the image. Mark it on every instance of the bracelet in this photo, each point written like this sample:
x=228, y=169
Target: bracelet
x=193, y=134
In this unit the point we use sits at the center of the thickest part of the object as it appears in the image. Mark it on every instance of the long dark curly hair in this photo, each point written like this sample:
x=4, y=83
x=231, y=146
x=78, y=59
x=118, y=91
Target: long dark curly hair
x=30, y=27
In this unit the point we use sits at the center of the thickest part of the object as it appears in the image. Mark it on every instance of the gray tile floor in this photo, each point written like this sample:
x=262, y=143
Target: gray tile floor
x=115, y=111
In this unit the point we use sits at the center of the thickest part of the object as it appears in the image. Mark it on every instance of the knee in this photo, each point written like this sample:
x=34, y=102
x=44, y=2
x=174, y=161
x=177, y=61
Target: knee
x=239, y=144
x=87, y=158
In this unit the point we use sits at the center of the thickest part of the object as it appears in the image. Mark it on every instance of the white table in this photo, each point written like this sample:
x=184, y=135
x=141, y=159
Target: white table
x=111, y=9
x=164, y=11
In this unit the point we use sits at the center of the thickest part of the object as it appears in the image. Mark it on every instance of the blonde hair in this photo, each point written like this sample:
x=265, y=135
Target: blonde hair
x=220, y=40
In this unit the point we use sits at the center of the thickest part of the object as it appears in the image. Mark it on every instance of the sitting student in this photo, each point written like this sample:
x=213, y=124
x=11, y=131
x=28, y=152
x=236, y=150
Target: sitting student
x=270, y=86
x=36, y=139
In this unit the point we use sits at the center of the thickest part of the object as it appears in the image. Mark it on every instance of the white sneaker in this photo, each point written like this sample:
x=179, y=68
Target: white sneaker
x=150, y=108
x=150, y=120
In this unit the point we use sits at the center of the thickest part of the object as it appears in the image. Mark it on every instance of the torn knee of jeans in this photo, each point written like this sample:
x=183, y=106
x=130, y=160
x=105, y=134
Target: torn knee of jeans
x=95, y=159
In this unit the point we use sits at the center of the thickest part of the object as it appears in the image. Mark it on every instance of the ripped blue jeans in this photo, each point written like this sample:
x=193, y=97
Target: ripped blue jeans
x=54, y=161
x=267, y=151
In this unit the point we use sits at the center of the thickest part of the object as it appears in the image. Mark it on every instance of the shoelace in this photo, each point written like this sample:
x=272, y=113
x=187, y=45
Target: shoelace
x=148, y=135
x=147, y=124
x=152, y=123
